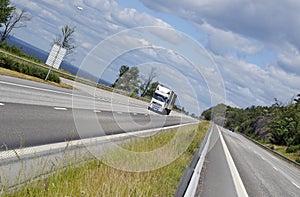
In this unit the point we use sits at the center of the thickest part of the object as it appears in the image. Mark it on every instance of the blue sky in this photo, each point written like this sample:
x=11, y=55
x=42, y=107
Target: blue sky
x=250, y=51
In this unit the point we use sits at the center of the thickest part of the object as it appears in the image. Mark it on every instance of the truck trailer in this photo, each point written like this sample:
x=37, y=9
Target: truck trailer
x=162, y=100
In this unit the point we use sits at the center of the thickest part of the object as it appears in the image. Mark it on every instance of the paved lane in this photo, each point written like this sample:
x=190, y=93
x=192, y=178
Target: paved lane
x=29, y=125
x=260, y=173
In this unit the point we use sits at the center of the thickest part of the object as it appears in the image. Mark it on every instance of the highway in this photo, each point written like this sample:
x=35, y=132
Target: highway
x=235, y=166
x=35, y=114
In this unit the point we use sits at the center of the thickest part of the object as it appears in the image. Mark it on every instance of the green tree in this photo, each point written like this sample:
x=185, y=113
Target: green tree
x=285, y=126
x=150, y=91
x=5, y=11
x=146, y=82
x=123, y=69
x=129, y=80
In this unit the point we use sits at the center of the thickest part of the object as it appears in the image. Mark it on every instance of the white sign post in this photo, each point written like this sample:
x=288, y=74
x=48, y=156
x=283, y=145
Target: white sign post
x=55, y=58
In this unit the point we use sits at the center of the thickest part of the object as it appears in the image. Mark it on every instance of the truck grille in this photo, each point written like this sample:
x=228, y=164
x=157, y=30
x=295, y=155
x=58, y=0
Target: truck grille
x=156, y=106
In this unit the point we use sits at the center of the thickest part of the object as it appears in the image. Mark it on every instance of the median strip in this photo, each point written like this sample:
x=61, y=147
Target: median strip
x=95, y=178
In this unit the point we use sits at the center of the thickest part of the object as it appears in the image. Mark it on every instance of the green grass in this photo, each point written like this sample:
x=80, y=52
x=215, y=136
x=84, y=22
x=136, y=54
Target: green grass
x=95, y=178
x=282, y=150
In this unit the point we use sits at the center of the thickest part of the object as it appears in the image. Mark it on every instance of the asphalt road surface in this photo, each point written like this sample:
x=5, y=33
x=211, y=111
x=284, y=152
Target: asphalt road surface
x=260, y=173
x=34, y=114
x=28, y=125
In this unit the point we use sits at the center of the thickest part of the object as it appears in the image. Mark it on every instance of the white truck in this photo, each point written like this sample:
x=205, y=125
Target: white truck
x=162, y=100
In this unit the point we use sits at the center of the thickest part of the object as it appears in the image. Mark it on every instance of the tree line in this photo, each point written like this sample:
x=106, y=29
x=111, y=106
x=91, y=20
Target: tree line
x=279, y=124
x=130, y=80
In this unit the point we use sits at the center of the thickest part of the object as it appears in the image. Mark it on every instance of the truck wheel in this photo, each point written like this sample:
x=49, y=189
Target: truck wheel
x=168, y=111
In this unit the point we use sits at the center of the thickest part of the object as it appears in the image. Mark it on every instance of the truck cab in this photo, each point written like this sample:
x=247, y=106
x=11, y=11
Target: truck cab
x=162, y=100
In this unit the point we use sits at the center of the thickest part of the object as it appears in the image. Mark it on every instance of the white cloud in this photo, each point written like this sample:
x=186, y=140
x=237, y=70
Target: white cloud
x=289, y=58
x=235, y=29
x=262, y=20
x=97, y=20
x=224, y=42
x=248, y=84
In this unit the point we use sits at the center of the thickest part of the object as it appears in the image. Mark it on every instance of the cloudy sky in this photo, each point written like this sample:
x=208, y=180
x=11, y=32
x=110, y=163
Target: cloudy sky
x=247, y=51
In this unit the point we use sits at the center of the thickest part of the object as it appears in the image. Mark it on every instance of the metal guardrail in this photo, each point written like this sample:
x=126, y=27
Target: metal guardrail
x=188, y=173
x=272, y=151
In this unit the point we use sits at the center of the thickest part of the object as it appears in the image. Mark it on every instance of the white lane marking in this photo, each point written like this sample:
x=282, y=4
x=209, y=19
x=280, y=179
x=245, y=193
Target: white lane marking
x=119, y=112
x=296, y=185
x=238, y=183
x=61, y=108
x=97, y=111
x=134, y=114
x=45, y=90
x=275, y=168
x=2, y=104
x=262, y=157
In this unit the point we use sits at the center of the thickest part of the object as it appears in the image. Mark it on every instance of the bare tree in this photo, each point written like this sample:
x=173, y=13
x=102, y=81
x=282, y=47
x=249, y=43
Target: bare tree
x=16, y=19
x=147, y=81
x=66, y=39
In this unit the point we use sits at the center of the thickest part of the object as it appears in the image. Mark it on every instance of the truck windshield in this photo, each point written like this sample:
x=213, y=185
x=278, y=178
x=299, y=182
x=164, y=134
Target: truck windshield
x=159, y=97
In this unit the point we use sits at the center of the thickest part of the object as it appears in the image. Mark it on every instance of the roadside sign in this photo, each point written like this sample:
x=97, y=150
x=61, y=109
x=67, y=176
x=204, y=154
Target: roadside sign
x=56, y=56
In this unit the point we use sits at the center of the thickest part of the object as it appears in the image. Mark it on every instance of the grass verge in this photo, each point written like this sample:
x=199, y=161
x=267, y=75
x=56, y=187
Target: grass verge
x=281, y=149
x=11, y=73
x=94, y=178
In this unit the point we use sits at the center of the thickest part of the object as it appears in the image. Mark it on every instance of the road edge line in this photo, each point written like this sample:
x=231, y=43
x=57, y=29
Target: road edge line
x=238, y=183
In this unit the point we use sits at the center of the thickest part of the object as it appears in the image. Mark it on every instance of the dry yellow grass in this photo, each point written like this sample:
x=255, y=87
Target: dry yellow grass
x=11, y=73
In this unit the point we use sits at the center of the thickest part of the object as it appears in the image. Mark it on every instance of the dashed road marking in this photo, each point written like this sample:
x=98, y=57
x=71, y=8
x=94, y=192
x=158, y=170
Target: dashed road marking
x=97, y=111
x=61, y=108
x=296, y=185
x=262, y=157
x=119, y=112
x=2, y=104
x=275, y=168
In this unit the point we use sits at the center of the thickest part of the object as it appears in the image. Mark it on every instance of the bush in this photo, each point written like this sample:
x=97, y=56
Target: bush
x=292, y=149
x=15, y=50
x=298, y=160
x=26, y=68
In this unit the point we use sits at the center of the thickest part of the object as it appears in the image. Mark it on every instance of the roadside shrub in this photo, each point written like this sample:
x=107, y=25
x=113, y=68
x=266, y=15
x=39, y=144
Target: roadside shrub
x=15, y=50
x=26, y=68
x=133, y=95
x=292, y=149
x=298, y=160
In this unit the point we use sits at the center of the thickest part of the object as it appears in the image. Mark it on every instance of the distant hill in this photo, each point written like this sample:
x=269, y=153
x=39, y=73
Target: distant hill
x=43, y=55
